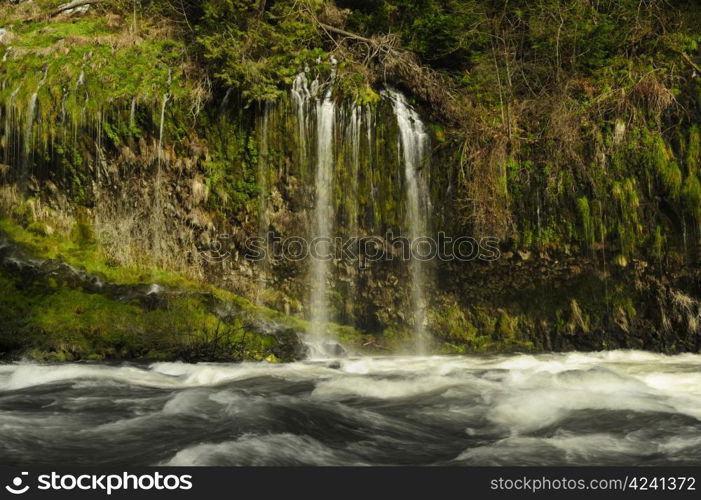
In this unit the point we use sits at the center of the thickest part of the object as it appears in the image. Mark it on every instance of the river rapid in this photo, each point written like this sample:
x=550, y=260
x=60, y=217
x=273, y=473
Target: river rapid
x=609, y=408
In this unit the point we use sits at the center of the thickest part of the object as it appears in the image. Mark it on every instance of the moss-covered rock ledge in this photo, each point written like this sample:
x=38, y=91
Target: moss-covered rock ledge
x=60, y=301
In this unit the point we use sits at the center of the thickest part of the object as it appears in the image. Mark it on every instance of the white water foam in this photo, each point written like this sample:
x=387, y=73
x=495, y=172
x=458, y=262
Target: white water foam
x=285, y=448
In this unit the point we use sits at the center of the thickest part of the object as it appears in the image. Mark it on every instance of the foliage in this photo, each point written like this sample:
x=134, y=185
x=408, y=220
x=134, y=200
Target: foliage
x=257, y=48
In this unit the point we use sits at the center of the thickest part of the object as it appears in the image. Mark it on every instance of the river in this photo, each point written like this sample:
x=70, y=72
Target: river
x=618, y=407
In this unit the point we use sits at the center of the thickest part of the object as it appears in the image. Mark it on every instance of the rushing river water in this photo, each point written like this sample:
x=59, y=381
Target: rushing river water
x=621, y=407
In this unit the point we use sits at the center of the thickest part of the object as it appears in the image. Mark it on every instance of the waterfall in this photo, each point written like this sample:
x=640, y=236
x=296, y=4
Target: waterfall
x=166, y=96
x=353, y=140
x=11, y=120
x=306, y=100
x=317, y=114
x=29, y=135
x=322, y=226
x=301, y=97
x=413, y=144
x=369, y=123
x=157, y=218
x=351, y=196
x=29, y=125
x=263, y=180
x=132, y=113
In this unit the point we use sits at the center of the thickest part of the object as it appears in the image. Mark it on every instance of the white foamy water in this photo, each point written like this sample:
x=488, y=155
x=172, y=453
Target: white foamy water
x=622, y=407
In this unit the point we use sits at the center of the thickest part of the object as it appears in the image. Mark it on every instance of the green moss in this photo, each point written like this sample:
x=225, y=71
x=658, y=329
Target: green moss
x=693, y=150
x=692, y=196
x=476, y=330
x=657, y=243
x=80, y=249
x=58, y=323
x=586, y=221
x=76, y=318
x=628, y=228
x=449, y=322
x=507, y=326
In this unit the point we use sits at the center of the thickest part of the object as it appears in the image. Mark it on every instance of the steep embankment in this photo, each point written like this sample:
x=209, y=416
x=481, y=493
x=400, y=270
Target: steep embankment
x=145, y=142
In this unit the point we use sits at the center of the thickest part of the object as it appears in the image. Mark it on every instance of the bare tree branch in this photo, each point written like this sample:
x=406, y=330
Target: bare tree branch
x=75, y=4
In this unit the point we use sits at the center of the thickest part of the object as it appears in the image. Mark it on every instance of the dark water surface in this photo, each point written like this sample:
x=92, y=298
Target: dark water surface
x=621, y=407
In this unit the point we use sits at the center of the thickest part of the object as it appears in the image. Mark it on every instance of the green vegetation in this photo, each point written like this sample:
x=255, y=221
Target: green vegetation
x=588, y=99
x=562, y=127
x=49, y=318
x=478, y=330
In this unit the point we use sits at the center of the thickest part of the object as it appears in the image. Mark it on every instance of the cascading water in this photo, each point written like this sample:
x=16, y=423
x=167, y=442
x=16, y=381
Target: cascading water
x=29, y=126
x=157, y=213
x=29, y=134
x=319, y=344
x=413, y=144
x=350, y=178
x=132, y=113
x=263, y=180
x=322, y=226
x=353, y=136
x=369, y=124
x=11, y=120
x=164, y=102
x=301, y=98
x=575, y=409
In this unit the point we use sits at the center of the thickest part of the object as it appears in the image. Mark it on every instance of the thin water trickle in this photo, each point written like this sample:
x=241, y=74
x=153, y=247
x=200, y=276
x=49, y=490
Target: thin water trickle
x=132, y=113
x=164, y=102
x=11, y=120
x=353, y=139
x=29, y=134
x=354, y=135
x=157, y=212
x=263, y=180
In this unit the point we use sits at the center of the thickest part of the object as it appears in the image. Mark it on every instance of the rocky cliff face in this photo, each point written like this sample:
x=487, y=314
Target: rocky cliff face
x=523, y=299
x=140, y=173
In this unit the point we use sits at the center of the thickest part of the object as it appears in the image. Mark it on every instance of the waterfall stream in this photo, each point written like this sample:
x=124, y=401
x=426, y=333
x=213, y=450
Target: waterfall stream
x=353, y=136
x=263, y=180
x=28, y=137
x=11, y=125
x=317, y=116
x=26, y=163
x=164, y=102
x=322, y=226
x=301, y=98
x=413, y=144
x=157, y=213
x=316, y=339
